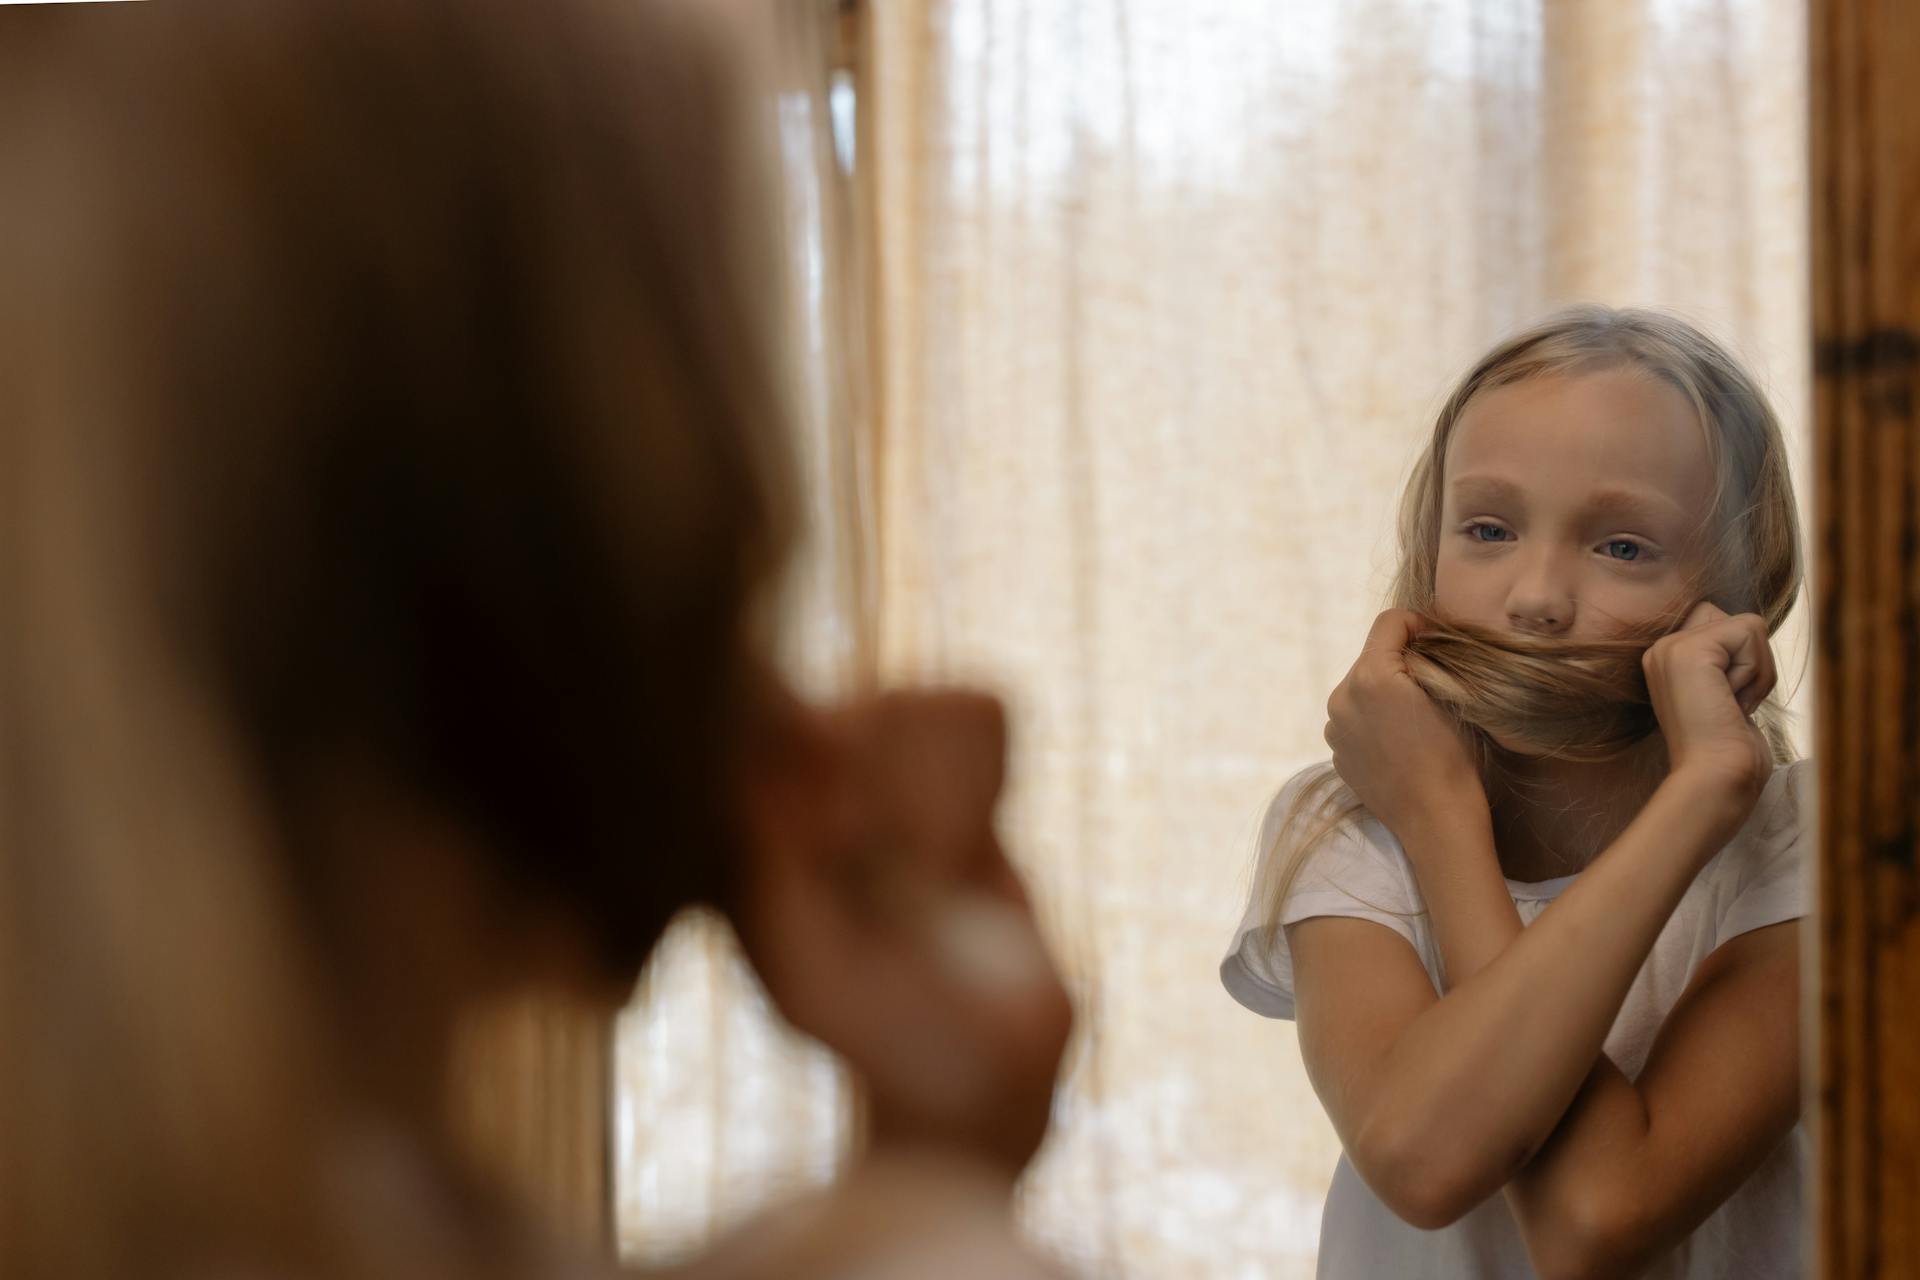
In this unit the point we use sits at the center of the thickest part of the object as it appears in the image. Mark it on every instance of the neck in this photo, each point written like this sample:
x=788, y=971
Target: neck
x=1553, y=817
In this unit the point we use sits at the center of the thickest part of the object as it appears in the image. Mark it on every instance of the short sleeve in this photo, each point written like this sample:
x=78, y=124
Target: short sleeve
x=1772, y=876
x=1358, y=871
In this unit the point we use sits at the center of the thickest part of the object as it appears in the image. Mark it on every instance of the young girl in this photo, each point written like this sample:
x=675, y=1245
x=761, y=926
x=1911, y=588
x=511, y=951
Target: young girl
x=1535, y=921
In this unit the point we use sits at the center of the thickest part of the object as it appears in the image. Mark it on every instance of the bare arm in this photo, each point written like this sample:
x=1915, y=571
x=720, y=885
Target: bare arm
x=1632, y=1167
x=1440, y=1102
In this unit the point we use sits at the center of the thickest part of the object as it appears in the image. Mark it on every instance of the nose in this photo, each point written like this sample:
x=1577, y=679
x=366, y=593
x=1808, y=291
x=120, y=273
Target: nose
x=1540, y=601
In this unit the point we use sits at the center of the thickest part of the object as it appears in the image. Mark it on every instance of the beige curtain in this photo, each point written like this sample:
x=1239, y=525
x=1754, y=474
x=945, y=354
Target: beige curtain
x=717, y=1107
x=1163, y=299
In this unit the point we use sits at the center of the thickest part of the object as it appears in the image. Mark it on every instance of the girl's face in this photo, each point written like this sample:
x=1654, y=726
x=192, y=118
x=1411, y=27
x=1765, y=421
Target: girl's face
x=1572, y=506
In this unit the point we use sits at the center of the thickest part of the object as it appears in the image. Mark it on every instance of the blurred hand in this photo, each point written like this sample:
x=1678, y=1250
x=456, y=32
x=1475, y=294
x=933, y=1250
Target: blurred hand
x=904, y=1215
x=886, y=921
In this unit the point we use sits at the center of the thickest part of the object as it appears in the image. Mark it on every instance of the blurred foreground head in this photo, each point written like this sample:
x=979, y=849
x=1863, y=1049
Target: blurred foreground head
x=389, y=469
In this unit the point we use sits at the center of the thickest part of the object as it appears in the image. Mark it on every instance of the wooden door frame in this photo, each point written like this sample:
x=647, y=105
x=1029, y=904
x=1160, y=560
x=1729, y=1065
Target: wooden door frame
x=1865, y=184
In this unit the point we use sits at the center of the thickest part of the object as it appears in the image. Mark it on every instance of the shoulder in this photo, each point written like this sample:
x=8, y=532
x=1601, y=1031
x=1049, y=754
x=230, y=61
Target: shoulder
x=1787, y=800
x=1314, y=817
x=1780, y=826
x=893, y=1214
x=1286, y=807
x=1762, y=876
x=1320, y=854
x=1317, y=840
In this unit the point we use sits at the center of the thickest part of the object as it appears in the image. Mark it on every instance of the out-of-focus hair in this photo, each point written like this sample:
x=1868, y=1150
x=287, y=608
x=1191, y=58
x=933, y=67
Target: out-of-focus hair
x=1578, y=700
x=378, y=379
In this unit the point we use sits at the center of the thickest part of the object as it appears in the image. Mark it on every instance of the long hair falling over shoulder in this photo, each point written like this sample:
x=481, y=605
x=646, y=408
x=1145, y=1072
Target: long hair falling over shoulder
x=1576, y=700
x=381, y=382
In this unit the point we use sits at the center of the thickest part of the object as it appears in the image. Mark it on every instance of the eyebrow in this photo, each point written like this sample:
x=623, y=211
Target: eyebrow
x=1625, y=503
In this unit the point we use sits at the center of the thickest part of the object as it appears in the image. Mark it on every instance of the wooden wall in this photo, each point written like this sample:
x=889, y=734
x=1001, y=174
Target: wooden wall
x=1866, y=303
x=530, y=1099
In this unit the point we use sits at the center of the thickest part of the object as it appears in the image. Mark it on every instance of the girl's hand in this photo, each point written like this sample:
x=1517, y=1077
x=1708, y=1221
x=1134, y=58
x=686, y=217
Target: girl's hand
x=881, y=911
x=1407, y=760
x=1707, y=679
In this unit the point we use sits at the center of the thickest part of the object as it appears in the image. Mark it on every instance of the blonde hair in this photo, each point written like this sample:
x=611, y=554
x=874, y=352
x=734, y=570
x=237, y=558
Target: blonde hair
x=388, y=381
x=1582, y=701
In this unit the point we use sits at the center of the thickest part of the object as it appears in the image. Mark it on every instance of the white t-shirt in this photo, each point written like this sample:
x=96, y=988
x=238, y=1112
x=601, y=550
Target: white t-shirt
x=1758, y=879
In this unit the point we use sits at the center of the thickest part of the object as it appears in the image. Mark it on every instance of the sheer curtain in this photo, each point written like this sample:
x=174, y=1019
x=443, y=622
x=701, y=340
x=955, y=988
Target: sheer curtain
x=716, y=1106
x=1163, y=299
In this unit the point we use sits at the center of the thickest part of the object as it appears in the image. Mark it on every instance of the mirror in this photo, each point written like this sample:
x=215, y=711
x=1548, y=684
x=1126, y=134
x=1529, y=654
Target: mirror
x=1158, y=310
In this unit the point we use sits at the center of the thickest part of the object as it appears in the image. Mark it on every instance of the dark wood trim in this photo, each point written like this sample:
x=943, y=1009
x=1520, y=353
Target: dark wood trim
x=1865, y=155
x=531, y=1096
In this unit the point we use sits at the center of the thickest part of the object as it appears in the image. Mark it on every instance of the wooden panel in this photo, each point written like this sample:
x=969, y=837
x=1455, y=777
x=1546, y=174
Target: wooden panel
x=530, y=1098
x=1866, y=299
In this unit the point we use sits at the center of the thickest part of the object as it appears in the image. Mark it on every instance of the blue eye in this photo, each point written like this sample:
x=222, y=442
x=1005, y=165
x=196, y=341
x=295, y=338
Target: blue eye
x=1488, y=533
x=1621, y=549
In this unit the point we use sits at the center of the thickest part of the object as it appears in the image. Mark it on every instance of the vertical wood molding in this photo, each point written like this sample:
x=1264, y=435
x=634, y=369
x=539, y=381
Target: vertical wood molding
x=530, y=1086
x=1865, y=157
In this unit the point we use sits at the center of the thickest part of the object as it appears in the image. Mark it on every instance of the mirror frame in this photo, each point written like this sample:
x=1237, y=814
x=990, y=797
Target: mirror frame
x=1865, y=184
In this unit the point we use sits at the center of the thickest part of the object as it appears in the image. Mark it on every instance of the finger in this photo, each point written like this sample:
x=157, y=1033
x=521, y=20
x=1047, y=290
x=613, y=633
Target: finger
x=1704, y=614
x=1392, y=631
x=1738, y=646
x=1742, y=646
x=930, y=765
x=1751, y=672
